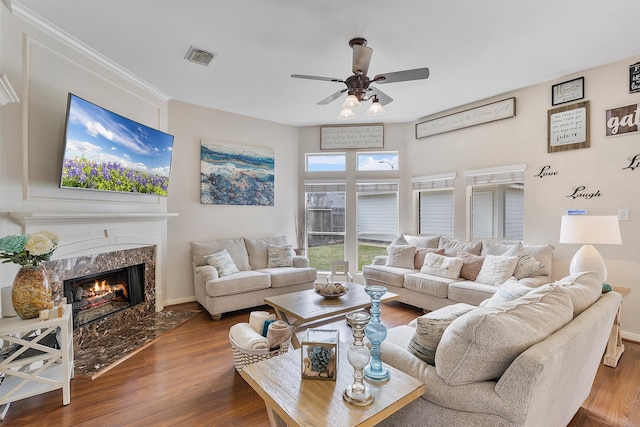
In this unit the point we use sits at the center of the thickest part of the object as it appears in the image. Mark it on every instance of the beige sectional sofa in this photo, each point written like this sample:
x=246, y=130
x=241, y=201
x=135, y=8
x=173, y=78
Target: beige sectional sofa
x=239, y=273
x=444, y=282
x=530, y=361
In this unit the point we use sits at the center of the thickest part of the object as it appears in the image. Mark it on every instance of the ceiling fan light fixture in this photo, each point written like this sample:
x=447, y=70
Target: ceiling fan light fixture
x=375, y=108
x=351, y=102
x=346, y=114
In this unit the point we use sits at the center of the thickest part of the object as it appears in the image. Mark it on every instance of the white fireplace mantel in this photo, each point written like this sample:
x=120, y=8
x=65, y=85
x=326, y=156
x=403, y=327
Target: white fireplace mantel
x=40, y=218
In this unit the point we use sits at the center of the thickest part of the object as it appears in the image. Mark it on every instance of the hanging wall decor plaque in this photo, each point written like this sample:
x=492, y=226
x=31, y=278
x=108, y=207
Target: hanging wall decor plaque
x=634, y=77
x=568, y=127
x=572, y=90
x=475, y=116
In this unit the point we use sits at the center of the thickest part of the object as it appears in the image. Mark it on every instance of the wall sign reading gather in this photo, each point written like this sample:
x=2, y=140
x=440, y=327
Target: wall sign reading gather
x=623, y=120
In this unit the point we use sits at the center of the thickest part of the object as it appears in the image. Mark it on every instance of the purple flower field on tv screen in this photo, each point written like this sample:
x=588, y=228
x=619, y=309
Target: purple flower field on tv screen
x=111, y=176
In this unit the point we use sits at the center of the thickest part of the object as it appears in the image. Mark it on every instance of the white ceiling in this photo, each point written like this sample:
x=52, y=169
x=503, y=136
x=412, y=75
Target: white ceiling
x=474, y=49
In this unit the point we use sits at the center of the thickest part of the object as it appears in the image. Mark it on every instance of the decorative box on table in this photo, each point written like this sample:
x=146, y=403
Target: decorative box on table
x=320, y=354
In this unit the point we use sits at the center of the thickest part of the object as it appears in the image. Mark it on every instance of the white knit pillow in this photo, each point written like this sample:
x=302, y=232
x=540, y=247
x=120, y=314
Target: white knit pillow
x=401, y=256
x=496, y=269
x=442, y=266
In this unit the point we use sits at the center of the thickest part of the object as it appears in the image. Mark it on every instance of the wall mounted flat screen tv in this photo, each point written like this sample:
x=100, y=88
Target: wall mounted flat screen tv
x=108, y=152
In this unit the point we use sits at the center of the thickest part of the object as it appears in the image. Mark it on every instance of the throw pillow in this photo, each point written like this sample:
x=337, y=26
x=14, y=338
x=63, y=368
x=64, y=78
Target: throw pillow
x=496, y=269
x=508, y=291
x=421, y=253
x=401, y=256
x=400, y=240
x=236, y=248
x=222, y=262
x=527, y=265
x=471, y=265
x=451, y=247
x=491, y=247
x=423, y=241
x=258, y=250
x=429, y=330
x=442, y=266
x=280, y=256
x=481, y=345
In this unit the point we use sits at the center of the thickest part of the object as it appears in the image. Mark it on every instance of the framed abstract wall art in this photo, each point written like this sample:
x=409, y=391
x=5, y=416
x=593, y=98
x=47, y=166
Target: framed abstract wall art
x=236, y=174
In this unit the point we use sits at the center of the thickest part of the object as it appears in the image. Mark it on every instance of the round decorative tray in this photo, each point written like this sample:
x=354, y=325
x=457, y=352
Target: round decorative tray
x=331, y=290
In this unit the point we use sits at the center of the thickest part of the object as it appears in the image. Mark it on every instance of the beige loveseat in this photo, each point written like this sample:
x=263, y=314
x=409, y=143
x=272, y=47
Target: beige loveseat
x=441, y=283
x=250, y=270
x=526, y=362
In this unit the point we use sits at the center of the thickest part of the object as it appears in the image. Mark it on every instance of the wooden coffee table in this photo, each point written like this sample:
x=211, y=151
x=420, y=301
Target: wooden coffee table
x=293, y=401
x=308, y=308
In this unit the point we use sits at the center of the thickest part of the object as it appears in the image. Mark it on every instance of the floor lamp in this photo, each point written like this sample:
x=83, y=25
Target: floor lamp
x=590, y=230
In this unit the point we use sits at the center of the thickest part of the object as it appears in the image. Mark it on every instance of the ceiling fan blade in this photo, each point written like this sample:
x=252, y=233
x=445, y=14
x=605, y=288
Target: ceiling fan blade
x=332, y=97
x=402, y=76
x=326, y=79
x=361, y=58
x=383, y=98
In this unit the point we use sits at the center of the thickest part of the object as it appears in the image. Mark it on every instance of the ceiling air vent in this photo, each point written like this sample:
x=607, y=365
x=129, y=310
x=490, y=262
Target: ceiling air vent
x=199, y=56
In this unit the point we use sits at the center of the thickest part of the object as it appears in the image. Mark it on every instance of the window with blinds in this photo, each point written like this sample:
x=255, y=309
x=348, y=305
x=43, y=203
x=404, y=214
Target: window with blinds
x=435, y=203
x=497, y=202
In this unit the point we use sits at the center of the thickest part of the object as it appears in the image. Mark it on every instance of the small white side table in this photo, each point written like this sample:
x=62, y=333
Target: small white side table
x=615, y=348
x=33, y=368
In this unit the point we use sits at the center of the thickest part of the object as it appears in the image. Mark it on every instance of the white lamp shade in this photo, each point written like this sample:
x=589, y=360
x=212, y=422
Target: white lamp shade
x=375, y=109
x=346, y=113
x=351, y=102
x=590, y=229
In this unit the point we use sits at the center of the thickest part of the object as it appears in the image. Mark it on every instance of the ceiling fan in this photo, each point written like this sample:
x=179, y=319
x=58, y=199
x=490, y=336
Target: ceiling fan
x=358, y=84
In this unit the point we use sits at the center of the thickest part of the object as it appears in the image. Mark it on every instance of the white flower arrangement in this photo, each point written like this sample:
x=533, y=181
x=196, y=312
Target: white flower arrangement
x=30, y=249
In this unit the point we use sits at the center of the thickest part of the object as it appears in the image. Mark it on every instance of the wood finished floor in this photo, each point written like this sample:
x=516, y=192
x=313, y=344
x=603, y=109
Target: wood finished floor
x=187, y=378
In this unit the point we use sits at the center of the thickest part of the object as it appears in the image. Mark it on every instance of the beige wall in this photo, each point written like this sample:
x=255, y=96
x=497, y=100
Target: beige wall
x=197, y=222
x=523, y=139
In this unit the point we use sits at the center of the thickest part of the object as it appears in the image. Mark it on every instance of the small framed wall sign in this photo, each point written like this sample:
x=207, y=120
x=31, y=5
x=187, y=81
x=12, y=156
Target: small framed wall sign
x=568, y=127
x=634, y=77
x=571, y=90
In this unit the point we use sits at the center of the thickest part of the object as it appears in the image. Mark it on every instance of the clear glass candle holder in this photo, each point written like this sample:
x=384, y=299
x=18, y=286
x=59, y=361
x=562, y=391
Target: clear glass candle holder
x=358, y=356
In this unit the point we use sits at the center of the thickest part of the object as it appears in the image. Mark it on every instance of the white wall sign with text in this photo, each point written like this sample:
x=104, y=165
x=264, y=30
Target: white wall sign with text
x=475, y=116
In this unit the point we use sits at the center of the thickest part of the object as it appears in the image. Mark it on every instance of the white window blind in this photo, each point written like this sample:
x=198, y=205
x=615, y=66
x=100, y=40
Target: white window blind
x=436, y=212
x=377, y=187
x=498, y=175
x=433, y=182
x=325, y=187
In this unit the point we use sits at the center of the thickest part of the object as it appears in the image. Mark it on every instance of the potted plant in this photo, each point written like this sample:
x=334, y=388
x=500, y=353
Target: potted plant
x=31, y=292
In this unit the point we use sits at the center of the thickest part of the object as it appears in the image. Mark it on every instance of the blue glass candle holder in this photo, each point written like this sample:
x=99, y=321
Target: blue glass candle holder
x=375, y=332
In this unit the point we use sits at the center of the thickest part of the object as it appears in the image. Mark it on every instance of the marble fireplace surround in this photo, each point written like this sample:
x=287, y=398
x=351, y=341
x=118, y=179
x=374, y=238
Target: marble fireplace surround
x=70, y=268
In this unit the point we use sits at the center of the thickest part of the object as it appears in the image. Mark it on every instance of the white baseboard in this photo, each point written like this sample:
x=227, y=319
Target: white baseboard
x=180, y=300
x=630, y=336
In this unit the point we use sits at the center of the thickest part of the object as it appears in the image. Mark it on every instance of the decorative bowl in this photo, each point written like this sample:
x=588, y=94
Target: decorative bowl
x=331, y=290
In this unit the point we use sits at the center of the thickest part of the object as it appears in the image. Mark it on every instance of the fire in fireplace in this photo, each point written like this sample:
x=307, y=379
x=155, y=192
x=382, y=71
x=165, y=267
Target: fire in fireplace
x=97, y=296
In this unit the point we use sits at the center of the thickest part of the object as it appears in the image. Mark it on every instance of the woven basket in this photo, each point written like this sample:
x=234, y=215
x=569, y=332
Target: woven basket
x=243, y=356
